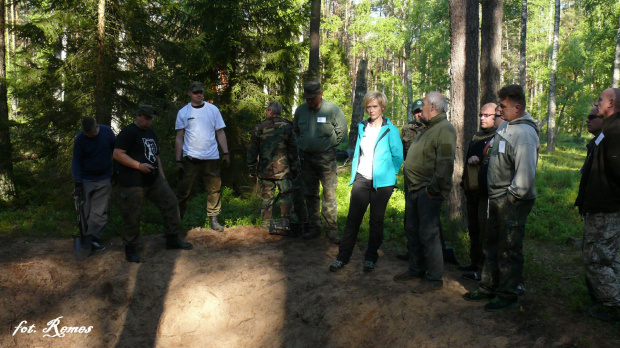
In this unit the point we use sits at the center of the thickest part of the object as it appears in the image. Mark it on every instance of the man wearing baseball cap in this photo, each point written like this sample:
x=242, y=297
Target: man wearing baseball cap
x=200, y=127
x=140, y=175
x=320, y=126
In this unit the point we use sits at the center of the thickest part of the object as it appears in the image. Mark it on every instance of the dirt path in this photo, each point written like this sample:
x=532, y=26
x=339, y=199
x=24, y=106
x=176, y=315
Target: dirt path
x=243, y=288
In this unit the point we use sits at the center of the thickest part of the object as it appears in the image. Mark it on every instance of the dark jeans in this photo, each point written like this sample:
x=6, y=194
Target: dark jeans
x=476, y=255
x=503, y=246
x=423, y=238
x=210, y=172
x=131, y=200
x=363, y=194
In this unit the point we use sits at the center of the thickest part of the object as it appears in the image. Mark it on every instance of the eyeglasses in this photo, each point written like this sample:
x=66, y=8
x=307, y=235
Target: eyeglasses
x=591, y=117
x=198, y=92
x=486, y=115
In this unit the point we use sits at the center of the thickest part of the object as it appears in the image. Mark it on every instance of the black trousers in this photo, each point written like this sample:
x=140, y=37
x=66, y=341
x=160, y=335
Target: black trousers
x=362, y=195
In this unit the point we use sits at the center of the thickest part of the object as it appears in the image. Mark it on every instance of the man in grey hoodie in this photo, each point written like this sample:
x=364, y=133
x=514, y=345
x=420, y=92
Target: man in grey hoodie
x=511, y=179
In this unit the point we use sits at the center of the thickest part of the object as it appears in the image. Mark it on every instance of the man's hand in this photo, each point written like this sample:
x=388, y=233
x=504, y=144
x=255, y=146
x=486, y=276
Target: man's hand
x=79, y=189
x=145, y=168
x=428, y=194
x=226, y=159
x=473, y=160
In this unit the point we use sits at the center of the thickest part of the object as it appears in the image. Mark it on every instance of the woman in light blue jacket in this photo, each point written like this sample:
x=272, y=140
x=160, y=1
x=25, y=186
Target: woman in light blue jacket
x=377, y=159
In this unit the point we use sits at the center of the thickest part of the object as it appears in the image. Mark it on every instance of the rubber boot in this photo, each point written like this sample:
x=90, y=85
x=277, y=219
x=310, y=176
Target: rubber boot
x=215, y=225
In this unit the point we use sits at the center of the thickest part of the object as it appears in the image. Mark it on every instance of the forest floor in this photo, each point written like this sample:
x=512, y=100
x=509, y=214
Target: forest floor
x=245, y=288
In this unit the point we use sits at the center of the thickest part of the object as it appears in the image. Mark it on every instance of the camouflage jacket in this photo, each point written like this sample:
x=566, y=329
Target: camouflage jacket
x=407, y=133
x=273, y=152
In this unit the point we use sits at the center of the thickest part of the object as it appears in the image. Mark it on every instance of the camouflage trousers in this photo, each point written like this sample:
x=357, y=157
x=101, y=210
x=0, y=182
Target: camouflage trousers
x=320, y=168
x=285, y=196
x=503, y=246
x=601, y=243
x=298, y=200
x=130, y=204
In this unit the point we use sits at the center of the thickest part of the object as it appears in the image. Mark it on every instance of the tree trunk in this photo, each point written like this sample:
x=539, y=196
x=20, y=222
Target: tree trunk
x=464, y=19
x=358, y=103
x=522, y=49
x=554, y=63
x=490, y=49
x=7, y=183
x=408, y=82
x=616, y=78
x=315, y=24
x=103, y=117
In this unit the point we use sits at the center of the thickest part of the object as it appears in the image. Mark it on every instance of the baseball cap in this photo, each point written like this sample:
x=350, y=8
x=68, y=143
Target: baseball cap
x=195, y=87
x=311, y=89
x=418, y=104
x=146, y=110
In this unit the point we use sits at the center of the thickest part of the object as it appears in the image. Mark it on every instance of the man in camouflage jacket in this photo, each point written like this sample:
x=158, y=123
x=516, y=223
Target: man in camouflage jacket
x=273, y=156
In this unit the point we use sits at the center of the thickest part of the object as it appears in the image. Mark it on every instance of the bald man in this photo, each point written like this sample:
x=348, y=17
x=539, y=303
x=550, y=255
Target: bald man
x=471, y=186
x=601, y=209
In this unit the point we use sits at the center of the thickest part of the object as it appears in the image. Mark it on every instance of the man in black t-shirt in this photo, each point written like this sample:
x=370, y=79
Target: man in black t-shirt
x=140, y=175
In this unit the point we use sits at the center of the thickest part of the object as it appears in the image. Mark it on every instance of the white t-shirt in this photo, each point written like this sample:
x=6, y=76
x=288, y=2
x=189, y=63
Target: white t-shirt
x=200, y=125
x=367, y=151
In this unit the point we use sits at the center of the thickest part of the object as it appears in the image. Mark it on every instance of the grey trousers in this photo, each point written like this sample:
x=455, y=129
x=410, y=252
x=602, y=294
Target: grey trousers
x=131, y=200
x=96, y=203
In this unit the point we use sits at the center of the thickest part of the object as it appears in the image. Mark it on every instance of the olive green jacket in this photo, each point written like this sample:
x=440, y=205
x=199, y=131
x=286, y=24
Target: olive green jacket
x=430, y=159
x=319, y=130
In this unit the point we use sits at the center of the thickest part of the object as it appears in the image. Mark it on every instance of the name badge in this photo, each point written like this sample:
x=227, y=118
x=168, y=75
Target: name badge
x=599, y=139
x=321, y=119
x=502, y=146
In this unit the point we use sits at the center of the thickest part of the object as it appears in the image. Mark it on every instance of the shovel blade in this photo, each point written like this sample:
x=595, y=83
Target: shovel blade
x=80, y=250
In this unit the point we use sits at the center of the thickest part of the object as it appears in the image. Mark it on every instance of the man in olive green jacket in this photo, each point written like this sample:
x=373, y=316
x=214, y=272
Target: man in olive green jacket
x=428, y=174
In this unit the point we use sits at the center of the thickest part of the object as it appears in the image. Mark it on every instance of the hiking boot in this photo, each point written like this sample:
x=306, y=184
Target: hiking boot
x=472, y=276
x=428, y=286
x=369, y=266
x=173, y=242
x=403, y=256
x=467, y=268
x=131, y=255
x=95, y=245
x=477, y=296
x=406, y=276
x=603, y=313
x=499, y=304
x=215, y=225
x=337, y=265
x=333, y=236
x=297, y=229
x=312, y=234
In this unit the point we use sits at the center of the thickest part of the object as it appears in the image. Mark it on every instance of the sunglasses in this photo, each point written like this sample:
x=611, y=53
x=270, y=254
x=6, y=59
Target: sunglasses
x=591, y=117
x=487, y=115
x=198, y=92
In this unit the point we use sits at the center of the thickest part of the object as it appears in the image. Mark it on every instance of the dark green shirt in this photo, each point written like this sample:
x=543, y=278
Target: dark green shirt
x=319, y=130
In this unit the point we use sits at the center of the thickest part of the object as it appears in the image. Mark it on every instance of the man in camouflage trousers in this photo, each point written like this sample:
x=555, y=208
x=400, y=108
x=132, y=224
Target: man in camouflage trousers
x=320, y=126
x=511, y=182
x=601, y=206
x=273, y=156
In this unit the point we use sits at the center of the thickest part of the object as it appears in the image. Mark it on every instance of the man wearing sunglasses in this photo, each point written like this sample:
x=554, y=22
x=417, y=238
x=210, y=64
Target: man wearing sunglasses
x=471, y=185
x=198, y=125
x=601, y=210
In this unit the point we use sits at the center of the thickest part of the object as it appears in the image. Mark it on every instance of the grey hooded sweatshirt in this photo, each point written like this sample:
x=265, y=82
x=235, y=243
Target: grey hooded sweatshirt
x=514, y=157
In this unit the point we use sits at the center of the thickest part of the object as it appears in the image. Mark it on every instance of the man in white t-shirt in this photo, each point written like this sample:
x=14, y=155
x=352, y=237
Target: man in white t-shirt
x=200, y=128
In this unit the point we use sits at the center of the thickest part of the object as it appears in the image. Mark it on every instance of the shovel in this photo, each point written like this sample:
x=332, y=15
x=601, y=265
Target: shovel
x=81, y=245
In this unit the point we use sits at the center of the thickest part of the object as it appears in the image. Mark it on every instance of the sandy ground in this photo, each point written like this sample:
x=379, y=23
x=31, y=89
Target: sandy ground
x=244, y=288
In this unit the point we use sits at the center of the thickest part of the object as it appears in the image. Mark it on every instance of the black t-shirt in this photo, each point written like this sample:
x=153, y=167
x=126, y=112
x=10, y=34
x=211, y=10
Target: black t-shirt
x=143, y=146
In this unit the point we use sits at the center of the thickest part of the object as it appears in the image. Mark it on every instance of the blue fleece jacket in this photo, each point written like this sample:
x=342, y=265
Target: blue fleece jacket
x=388, y=155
